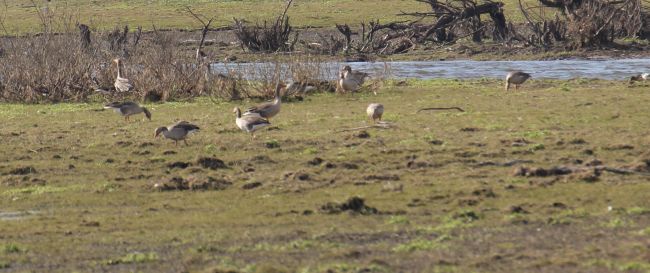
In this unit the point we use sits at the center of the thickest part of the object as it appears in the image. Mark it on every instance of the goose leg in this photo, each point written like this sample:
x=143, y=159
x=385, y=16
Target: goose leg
x=176, y=143
x=185, y=141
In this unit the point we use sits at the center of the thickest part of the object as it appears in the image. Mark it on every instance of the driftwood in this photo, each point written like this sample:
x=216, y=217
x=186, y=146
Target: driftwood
x=451, y=13
x=440, y=108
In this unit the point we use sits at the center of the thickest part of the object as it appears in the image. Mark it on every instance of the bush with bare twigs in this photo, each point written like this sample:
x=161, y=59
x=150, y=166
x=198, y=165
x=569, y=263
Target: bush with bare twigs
x=267, y=38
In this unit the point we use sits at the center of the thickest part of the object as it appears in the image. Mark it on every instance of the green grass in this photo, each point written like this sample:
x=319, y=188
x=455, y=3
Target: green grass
x=136, y=257
x=88, y=180
x=21, y=16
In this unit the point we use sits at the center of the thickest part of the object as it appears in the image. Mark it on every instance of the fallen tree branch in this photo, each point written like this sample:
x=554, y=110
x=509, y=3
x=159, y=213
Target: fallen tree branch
x=380, y=125
x=440, y=108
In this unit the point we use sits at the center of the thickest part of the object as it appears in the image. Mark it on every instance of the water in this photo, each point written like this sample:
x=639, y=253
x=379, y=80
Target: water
x=607, y=69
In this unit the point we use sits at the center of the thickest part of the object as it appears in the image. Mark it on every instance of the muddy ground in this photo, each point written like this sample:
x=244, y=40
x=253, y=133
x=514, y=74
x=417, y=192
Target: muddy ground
x=551, y=178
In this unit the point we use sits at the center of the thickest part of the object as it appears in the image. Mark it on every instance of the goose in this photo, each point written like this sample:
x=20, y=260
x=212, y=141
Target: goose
x=351, y=80
x=250, y=123
x=268, y=110
x=375, y=111
x=178, y=131
x=516, y=78
x=296, y=87
x=128, y=109
x=640, y=77
x=121, y=84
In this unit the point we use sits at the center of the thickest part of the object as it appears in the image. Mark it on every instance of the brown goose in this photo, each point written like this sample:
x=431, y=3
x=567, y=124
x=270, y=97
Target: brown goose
x=127, y=109
x=375, y=111
x=350, y=80
x=178, y=131
x=250, y=123
x=121, y=84
x=268, y=110
x=516, y=78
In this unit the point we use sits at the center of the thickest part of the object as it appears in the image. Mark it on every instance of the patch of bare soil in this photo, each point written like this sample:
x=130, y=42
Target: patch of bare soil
x=192, y=182
x=354, y=205
x=211, y=163
x=22, y=171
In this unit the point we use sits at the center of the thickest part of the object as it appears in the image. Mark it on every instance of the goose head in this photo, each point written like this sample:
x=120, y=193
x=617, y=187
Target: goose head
x=237, y=112
x=160, y=130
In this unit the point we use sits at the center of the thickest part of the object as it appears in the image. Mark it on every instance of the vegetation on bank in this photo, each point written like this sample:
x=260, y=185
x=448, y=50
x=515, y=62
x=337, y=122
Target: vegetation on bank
x=21, y=17
x=70, y=61
x=518, y=182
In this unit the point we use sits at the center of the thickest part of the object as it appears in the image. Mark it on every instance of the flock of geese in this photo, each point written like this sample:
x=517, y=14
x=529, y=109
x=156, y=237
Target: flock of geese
x=251, y=120
x=259, y=116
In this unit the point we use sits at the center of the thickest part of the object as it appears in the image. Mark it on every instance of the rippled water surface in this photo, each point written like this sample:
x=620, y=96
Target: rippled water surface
x=554, y=69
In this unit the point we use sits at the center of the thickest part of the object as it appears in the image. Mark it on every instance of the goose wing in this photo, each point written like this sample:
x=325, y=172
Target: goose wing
x=120, y=105
x=259, y=108
x=254, y=122
x=123, y=85
x=184, y=125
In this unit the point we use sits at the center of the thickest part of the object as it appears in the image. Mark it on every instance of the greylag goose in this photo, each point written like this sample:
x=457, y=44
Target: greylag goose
x=178, y=131
x=375, y=111
x=640, y=77
x=121, y=84
x=351, y=80
x=267, y=110
x=516, y=78
x=250, y=123
x=295, y=87
x=128, y=109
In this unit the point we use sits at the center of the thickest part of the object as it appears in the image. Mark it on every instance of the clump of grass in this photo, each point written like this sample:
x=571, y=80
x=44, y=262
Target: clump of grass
x=422, y=244
x=136, y=257
x=638, y=211
x=272, y=144
x=12, y=248
x=399, y=219
x=617, y=223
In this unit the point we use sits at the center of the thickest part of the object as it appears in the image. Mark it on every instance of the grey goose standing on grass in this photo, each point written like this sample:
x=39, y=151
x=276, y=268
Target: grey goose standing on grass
x=516, y=78
x=375, y=111
x=250, y=123
x=178, y=131
x=268, y=110
x=127, y=109
x=121, y=84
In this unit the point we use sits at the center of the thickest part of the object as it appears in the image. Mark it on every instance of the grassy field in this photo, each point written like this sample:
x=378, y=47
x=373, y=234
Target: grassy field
x=78, y=186
x=21, y=16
